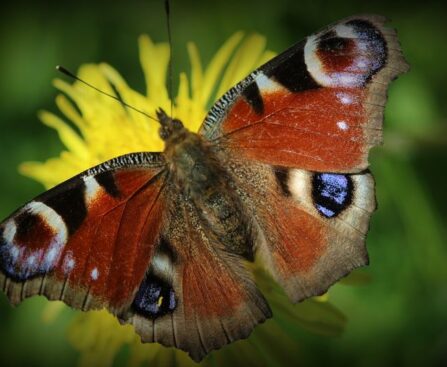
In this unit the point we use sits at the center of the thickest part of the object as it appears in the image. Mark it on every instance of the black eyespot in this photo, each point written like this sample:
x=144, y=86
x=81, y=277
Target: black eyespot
x=155, y=297
x=333, y=45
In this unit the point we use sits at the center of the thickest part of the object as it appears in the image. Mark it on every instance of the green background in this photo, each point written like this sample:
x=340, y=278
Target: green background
x=400, y=317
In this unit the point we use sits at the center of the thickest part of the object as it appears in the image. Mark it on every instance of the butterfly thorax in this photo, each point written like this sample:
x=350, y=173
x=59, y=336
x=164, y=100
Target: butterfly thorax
x=201, y=179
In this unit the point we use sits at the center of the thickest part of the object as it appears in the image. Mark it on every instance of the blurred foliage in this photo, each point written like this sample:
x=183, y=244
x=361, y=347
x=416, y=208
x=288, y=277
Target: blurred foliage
x=399, y=317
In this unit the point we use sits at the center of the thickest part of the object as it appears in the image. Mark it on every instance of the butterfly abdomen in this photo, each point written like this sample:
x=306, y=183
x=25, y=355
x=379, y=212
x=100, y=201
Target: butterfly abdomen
x=223, y=214
x=201, y=178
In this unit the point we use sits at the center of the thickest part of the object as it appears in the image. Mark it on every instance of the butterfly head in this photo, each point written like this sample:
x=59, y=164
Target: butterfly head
x=169, y=127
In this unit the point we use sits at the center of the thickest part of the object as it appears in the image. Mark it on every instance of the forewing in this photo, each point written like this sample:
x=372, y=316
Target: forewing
x=318, y=105
x=89, y=240
x=196, y=296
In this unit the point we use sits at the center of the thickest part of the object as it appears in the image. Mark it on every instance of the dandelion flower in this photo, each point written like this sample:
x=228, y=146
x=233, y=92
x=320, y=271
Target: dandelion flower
x=99, y=128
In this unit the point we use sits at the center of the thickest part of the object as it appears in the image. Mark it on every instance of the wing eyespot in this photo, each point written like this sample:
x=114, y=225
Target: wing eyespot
x=32, y=241
x=331, y=193
x=154, y=298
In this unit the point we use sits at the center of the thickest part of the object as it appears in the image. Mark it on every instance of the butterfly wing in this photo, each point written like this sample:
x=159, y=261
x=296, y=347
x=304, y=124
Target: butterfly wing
x=89, y=240
x=318, y=105
x=196, y=296
x=311, y=226
x=295, y=134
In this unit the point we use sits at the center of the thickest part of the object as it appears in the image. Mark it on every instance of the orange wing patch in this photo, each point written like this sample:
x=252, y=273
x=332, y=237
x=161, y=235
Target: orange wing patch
x=322, y=129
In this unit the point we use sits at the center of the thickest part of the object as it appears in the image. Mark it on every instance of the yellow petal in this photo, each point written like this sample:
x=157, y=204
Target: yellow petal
x=40, y=172
x=182, y=100
x=72, y=92
x=243, y=62
x=154, y=60
x=70, y=112
x=214, y=70
x=67, y=135
x=196, y=71
x=114, y=76
x=266, y=56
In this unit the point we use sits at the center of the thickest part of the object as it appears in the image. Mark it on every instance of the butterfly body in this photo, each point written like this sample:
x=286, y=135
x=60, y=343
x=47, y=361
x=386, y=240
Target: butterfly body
x=200, y=178
x=278, y=171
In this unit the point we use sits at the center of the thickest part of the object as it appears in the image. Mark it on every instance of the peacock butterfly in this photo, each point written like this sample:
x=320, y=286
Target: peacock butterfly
x=278, y=170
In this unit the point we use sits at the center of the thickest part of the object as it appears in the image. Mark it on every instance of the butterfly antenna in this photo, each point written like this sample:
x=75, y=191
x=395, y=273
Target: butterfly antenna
x=168, y=23
x=73, y=76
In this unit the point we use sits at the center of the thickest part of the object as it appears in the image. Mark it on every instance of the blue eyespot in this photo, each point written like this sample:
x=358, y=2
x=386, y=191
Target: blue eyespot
x=332, y=193
x=155, y=298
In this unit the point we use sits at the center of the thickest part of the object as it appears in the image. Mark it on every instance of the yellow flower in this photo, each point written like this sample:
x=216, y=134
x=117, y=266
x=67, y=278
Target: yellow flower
x=101, y=128
x=107, y=129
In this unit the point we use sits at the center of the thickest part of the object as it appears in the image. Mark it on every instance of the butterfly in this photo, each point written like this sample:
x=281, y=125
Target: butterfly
x=278, y=171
